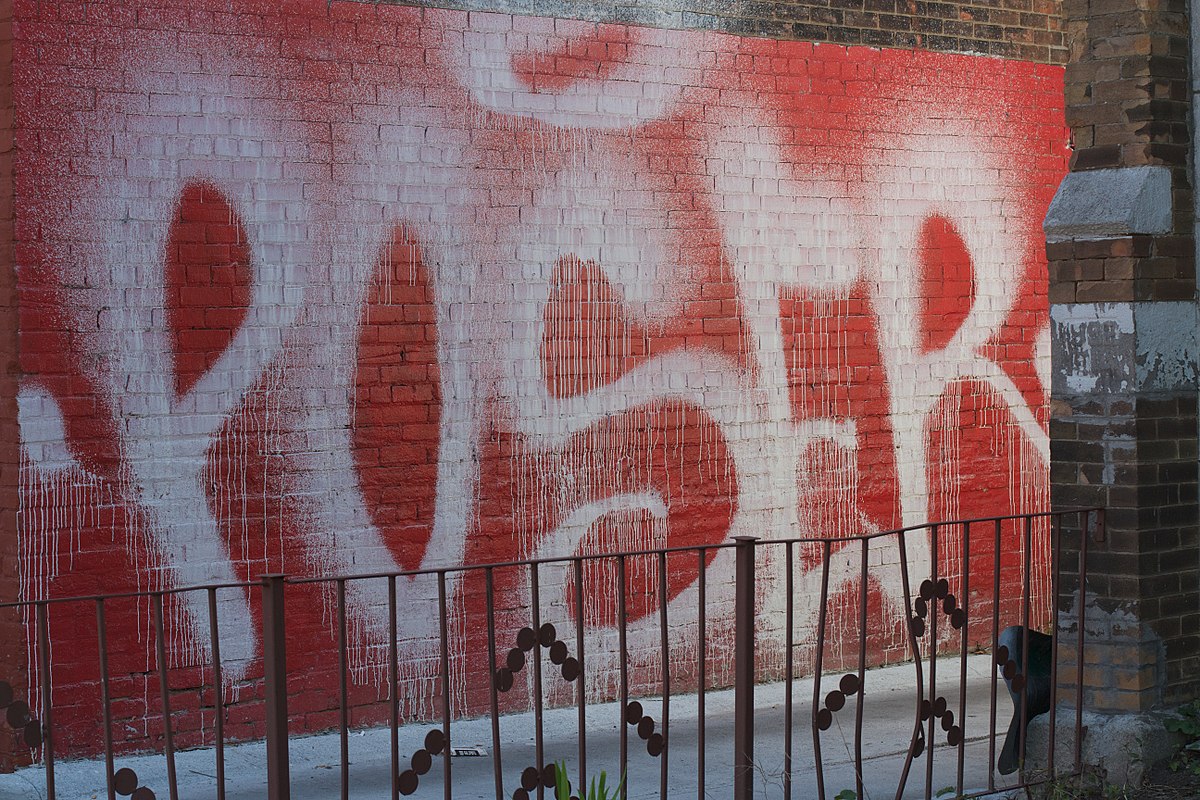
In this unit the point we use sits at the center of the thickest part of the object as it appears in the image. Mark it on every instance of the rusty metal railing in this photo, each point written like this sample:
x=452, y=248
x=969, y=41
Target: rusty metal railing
x=952, y=586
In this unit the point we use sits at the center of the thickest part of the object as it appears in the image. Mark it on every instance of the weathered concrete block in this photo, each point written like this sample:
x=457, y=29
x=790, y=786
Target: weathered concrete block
x=1109, y=203
x=1123, y=745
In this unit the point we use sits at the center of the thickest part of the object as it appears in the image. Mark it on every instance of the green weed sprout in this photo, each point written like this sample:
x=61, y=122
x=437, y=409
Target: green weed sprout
x=597, y=791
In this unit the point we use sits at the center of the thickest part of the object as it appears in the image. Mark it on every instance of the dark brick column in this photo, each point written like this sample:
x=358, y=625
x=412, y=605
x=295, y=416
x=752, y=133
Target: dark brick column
x=1124, y=327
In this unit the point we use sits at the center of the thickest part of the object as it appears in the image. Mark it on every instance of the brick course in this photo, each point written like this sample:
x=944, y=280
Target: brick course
x=1128, y=268
x=1028, y=30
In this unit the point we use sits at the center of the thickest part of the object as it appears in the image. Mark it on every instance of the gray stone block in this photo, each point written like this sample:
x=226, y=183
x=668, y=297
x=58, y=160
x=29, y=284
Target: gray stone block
x=1110, y=203
x=1125, y=746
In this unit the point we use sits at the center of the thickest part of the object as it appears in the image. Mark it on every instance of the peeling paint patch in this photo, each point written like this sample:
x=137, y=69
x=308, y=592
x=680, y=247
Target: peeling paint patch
x=1167, y=345
x=1093, y=347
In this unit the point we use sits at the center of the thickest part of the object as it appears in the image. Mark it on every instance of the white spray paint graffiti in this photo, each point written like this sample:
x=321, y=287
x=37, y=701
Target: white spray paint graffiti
x=315, y=253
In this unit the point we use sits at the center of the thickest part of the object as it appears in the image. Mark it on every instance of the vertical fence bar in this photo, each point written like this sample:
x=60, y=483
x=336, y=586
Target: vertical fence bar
x=622, y=635
x=995, y=648
x=444, y=635
x=164, y=690
x=41, y=612
x=902, y=544
x=1055, y=583
x=581, y=682
x=963, y=603
x=536, y=656
x=105, y=700
x=343, y=698
x=497, y=767
x=702, y=672
x=1026, y=582
x=862, y=670
x=933, y=654
x=274, y=637
x=666, y=676
x=218, y=692
x=394, y=689
x=1080, y=624
x=743, y=669
x=788, y=670
x=818, y=663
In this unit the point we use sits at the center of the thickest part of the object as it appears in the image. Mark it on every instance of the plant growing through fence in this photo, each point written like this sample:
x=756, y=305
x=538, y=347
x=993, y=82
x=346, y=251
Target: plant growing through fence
x=597, y=791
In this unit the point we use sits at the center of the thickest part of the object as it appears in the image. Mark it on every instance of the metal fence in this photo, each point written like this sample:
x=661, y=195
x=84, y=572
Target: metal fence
x=968, y=578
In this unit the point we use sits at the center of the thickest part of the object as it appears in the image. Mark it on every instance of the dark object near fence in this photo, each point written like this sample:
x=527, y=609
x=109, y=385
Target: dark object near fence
x=1024, y=659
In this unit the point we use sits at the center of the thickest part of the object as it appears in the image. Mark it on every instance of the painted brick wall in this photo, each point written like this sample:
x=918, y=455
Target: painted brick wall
x=329, y=288
x=12, y=659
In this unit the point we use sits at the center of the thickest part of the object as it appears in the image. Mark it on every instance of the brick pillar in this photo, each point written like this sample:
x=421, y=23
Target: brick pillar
x=12, y=633
x=1120, y=242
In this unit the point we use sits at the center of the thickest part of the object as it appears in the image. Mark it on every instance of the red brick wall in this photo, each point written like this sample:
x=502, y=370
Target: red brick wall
x=12, y=633
x=330, y=288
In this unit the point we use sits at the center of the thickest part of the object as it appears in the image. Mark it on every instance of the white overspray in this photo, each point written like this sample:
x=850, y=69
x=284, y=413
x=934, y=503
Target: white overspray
x=314, y=257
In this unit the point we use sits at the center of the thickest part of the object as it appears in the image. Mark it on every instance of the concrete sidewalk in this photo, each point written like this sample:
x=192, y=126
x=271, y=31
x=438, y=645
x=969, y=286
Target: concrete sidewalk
x=888, y=723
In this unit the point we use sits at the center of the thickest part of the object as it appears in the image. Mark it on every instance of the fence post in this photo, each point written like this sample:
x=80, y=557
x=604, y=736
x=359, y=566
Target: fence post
x=275, y=687
x=743, y=669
